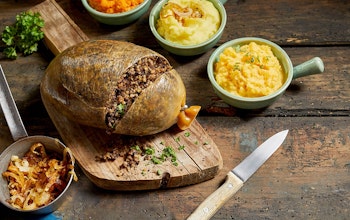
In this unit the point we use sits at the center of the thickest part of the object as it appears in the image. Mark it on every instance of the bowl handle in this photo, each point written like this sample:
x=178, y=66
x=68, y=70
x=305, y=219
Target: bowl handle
x=310, y=67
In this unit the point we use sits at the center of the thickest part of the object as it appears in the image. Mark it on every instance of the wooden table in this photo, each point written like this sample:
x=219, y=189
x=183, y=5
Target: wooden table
x=307, y=178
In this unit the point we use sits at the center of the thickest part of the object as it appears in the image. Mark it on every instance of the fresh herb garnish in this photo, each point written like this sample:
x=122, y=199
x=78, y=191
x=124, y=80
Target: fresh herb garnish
x=136, y=147
x=24, y=35
x=156, y=160
x=181, y=147
x=168, y=152
x=238, y=48
x=149, y=151
x=120, y=109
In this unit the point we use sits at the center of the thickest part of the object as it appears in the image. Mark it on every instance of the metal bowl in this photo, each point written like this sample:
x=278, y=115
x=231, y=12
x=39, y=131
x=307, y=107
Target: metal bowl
x=19, y=148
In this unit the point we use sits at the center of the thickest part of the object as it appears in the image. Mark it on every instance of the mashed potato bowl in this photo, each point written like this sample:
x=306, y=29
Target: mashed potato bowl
x=121, y=18
x=313, y=66
x=187, y=50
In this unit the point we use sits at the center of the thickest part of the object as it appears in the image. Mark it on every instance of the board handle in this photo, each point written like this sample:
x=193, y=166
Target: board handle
x=218, y=198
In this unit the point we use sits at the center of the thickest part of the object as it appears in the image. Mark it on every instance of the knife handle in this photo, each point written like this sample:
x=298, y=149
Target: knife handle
x=218, y=198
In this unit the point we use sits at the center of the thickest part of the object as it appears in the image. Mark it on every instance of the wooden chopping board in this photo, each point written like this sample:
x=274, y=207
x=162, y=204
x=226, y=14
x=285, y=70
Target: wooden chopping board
x=197, y=156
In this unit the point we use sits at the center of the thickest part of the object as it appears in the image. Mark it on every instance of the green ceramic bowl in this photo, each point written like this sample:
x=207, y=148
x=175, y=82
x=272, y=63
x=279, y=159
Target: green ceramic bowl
x=310, y=67
x=118, y=18
x=192, y=50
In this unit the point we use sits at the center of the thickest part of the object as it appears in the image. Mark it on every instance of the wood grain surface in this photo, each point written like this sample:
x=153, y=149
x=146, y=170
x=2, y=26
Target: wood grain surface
x=197, y=156
x=200, y=159
x=59, y=29
x=307, y=178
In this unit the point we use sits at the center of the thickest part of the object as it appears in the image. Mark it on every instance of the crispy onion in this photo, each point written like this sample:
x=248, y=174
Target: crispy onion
x=38, y=178
x=179, y=12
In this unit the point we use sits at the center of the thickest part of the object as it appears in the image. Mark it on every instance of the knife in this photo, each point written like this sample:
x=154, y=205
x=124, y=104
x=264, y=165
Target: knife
x=10, y=110
x=236, y=177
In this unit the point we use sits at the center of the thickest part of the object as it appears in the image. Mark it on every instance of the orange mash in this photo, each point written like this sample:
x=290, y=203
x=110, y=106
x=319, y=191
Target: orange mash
x=250, y=70
x=114, y=6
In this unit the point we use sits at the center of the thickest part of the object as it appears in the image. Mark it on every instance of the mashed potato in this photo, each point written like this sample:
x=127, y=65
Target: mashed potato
x=250, y=70
x=188, y=22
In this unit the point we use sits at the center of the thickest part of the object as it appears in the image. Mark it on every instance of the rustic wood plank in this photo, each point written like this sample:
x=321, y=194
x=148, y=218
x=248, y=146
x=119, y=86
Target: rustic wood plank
x=308, y=178
x=269, y=20
x=198, y=161
x=60, y=30
x=307, y=170
x=281, y=21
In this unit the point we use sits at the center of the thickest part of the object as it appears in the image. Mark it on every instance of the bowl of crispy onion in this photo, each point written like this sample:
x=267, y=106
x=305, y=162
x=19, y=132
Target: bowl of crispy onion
x=36, y=171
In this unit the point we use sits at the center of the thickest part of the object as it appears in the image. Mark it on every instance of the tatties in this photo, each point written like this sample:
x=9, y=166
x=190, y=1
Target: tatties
x=188, y=22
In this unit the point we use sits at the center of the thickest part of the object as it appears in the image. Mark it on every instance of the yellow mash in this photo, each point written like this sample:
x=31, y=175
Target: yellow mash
x=250, y=70
x=188, y=22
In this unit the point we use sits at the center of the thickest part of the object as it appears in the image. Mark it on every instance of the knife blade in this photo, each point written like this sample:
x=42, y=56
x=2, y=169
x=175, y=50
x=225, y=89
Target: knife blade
x=237, y=176
x=10, y=110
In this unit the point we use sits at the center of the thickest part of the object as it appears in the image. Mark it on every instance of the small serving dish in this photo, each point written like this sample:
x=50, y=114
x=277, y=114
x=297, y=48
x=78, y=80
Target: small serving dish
x=187, y=50
x=310, y=67
x=121, y=18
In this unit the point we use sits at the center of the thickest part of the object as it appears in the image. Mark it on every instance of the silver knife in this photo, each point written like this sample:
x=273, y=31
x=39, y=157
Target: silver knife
x=236, y=177
x=10, y=110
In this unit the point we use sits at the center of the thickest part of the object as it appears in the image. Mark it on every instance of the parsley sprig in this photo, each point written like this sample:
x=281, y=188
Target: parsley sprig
x=23, y=36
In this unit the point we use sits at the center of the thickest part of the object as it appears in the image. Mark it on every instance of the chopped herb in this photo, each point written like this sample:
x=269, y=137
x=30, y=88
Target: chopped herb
x=149, y=151
x=168, y=152
x=159, y=172
x=162, y=143
x=258, y=59
x=120, y=109
x=177, y=139
x=136, y=147
x=196, y=142
x=206, y=143
x=181, y=147
x=23, y=36
x=267, y=58
x=187, y=134
x=156, y=160
x=236, y=66
x=238, y=48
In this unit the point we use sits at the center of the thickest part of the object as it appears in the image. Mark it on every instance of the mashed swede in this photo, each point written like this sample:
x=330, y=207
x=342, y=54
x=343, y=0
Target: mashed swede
x=250, y=70
x=114, y=6
x=188, y=22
